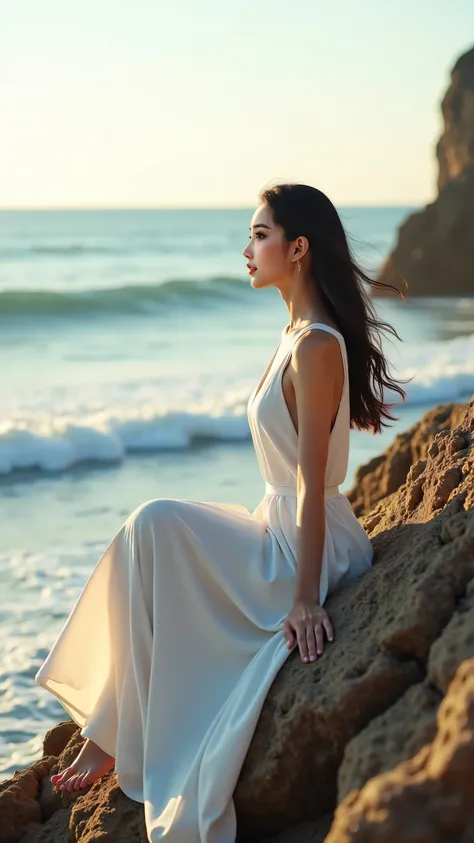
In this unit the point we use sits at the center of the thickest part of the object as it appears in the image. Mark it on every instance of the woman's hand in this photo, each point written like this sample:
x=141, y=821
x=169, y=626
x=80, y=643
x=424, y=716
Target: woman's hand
x=305, y=624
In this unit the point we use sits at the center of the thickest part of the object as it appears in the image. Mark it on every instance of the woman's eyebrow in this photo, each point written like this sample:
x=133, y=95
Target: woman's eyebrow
x=259, y=225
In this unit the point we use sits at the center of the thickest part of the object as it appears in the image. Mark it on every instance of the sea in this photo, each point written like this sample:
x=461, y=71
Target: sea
x=130, y=343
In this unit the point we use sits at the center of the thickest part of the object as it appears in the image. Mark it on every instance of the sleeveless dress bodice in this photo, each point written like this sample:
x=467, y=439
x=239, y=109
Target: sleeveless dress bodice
x=274, y=436
x=348, y=550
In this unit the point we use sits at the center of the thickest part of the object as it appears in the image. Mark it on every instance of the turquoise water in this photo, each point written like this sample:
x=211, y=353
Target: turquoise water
x=132, y=341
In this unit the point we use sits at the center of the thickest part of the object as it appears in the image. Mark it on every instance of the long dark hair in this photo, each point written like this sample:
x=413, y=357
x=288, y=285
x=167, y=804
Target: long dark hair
x=304, y=211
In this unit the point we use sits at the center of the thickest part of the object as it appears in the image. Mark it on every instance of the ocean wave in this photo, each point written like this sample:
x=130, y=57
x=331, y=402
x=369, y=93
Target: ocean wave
x=127, y=299
x=82, y=425
x=81, y=250
x=68, y=250
x=439, y=371
x=57, y=444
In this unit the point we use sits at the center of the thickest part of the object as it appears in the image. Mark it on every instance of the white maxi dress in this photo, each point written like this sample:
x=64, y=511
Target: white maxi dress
x=169, y=652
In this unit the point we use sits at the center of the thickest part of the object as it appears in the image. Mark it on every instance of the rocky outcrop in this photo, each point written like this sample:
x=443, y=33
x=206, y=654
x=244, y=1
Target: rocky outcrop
x=387, y=741
x=383, y=475
x=381, y=724
x=434, y=254
x=427, y=798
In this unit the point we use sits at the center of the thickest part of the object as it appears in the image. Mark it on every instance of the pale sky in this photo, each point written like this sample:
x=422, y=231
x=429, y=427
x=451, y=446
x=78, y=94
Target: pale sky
x=200, y=103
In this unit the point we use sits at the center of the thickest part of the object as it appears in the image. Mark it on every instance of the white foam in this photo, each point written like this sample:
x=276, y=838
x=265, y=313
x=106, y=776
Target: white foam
x=440, y=371
x=51, y=435
x=56, y=443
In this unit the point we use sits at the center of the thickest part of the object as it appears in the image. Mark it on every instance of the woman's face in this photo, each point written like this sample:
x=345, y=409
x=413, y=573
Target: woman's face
x=268, y=251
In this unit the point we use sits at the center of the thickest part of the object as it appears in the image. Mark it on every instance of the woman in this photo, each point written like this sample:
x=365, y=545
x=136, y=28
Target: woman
x=169, y=652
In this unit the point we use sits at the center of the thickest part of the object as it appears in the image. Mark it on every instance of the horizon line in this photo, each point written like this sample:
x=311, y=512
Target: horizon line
x=407, y=204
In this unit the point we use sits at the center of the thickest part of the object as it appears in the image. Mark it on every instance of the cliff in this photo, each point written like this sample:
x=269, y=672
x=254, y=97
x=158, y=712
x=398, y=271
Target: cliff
x=375, y=740
x=434, y=254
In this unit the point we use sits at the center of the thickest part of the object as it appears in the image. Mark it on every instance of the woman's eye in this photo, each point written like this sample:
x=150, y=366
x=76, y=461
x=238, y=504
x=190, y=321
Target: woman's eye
x=256, y=235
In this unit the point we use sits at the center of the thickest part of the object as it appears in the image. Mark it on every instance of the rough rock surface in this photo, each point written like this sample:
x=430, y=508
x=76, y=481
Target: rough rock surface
x=328, y=731
x=386, y=741
x=384, y=474
x=427, y=798
x=435, y=250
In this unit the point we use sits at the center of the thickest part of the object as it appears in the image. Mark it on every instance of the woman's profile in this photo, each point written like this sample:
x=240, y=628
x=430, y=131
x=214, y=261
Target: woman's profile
x=168, y=654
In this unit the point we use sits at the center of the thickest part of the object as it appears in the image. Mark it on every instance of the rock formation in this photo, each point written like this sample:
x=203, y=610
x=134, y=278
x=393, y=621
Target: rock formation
x=427, y=797
x=375, y=740
x=383, y=475
x=434, y=254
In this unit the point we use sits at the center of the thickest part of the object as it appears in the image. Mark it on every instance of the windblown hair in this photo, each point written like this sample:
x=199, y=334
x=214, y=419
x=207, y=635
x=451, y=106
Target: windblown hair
x=304, y=211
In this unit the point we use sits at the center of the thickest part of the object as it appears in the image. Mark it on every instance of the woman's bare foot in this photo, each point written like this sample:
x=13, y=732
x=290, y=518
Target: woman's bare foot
x=91, y=763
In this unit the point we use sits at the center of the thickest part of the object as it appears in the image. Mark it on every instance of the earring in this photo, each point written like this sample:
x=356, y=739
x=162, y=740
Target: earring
x=299, y=266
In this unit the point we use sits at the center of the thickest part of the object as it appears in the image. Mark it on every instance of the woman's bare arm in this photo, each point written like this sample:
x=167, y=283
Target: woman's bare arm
x=317, y=369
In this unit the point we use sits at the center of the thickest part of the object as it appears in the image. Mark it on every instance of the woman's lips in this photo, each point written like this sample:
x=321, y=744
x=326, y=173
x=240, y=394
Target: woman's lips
x=252, y=269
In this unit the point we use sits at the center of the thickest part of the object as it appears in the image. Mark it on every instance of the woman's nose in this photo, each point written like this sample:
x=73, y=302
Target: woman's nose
x=246, y=252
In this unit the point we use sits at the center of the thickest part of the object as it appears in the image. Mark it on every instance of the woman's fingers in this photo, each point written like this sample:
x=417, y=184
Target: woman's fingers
x=311, y=641
x=309, y=636
x=319, y=638
x=302, y=642
x=329, y=629
x=307, y=641
x=288, y=634
x=314, y=642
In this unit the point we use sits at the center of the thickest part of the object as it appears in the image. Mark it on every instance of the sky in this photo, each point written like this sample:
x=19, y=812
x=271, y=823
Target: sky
x=201, y=103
